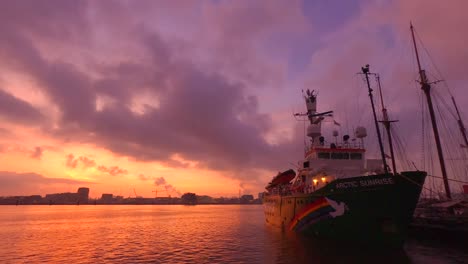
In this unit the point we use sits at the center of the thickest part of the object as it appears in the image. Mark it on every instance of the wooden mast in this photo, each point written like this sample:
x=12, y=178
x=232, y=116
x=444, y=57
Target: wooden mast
x=426, y=87
x=386, y=122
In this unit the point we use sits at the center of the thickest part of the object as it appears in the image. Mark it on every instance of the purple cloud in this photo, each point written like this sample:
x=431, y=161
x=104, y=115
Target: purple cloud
x=16, y=110
x=13, y=183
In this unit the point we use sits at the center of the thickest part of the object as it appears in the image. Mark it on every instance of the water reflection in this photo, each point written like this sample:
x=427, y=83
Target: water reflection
x=294, y=248
x=180, y=234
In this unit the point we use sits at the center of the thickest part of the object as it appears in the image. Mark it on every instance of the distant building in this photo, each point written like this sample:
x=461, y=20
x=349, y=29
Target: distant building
x=83, y=194
x=107, y=198
x=31, y=199
x=162, y=200
x=260, y=195
x=204, y=199
x=62, y=198
x=246, y=198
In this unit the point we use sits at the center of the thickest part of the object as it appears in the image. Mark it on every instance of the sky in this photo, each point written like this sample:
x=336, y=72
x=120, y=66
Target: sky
x=139, y=97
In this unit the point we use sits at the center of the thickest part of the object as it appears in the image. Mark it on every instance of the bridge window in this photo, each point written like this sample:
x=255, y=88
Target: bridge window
x=356, y=156
x=323, y=155
x=338, y=155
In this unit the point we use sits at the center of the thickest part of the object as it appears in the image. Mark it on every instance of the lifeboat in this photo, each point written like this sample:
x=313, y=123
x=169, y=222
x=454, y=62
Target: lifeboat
x=282, y=178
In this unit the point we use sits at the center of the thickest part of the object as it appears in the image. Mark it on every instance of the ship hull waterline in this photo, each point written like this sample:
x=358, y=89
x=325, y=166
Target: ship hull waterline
x=368, y=209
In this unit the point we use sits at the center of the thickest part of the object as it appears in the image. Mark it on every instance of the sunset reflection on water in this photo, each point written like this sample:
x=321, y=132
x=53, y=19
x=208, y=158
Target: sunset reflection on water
x=167, y=234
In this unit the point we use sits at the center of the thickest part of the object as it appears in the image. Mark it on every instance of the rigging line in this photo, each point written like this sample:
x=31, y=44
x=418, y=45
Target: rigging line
x=430, y=150
x=360, y=86
x=454, y=180
x=404, y=47
x=410, y=180
x=399, y=155
x=433, y=63
x=423, y=156
x=403, y=158
x=449, y=139
x=444, y=102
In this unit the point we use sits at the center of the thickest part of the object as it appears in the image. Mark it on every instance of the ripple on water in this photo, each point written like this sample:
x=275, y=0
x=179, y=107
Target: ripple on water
x=177, y=234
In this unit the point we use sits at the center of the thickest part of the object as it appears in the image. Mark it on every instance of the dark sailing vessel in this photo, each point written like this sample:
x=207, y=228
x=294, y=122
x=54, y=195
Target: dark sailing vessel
x=446, y=214
x=339, y=194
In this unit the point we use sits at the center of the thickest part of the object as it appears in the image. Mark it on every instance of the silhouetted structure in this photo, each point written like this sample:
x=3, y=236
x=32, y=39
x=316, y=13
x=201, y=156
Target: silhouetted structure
x=246, y=198
x=83, y=194
x=107, y=198
x=80, y=197
x=189, y=198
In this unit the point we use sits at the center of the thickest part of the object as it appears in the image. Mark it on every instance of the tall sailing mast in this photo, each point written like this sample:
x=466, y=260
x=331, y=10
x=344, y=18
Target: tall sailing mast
x=365, y=71
x=386, y=122
x=426, y=87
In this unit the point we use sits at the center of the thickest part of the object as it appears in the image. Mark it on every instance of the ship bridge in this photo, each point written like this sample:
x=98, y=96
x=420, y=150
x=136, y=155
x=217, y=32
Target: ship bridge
x=325, y=163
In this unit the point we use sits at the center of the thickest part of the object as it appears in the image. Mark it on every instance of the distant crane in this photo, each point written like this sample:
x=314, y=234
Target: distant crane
x=136, y=196
x=156, y=192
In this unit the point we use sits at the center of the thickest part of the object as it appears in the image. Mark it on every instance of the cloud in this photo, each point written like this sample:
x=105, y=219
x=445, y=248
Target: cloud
x=159, y=181
x=114, y=170
x=203, y=92
x=84, y=161
x=196, y=111
x=71, y=161
x=143, y=177
x=13, y=183
x=37, y=153
x=168, y=188
x=87, y=163
x=18, y=111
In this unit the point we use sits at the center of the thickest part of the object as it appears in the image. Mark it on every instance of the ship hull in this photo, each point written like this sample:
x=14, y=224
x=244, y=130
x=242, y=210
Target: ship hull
x=368, y=209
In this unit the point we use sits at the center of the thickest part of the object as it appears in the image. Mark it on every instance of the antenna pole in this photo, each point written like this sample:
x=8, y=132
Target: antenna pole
x=365, y=71
x=426, y=87
x=386, y=122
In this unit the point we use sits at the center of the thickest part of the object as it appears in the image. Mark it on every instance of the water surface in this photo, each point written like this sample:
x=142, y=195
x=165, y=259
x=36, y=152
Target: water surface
x=181, y=234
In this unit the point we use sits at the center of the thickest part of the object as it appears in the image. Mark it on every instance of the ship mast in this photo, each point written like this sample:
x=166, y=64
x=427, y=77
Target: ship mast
x=386, y=122
x=460, y=124
x=365, y=71
x=426, y=87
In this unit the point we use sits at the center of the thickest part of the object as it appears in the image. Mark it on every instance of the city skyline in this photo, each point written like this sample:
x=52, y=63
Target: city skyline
x=199, y=96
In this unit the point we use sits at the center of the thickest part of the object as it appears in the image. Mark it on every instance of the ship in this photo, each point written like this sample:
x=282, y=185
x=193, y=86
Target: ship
x=340, y=195
x=446, y=214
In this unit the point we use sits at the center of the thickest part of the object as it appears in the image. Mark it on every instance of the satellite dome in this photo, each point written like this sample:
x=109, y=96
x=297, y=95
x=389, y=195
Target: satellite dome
x=361, y=132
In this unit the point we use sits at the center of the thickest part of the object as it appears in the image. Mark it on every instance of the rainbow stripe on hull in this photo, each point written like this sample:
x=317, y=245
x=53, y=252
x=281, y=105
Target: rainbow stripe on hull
x=311, y=214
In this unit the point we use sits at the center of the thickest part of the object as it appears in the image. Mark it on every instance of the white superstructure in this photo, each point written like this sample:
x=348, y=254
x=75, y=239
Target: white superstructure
x=325, y=161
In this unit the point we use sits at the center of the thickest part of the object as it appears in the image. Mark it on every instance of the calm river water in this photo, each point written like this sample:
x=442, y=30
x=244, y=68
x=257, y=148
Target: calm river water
x=180, y=234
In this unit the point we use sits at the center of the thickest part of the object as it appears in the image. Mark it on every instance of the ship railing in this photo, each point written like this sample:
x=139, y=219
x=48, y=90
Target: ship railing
x=342, y=145
x=280, y=190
